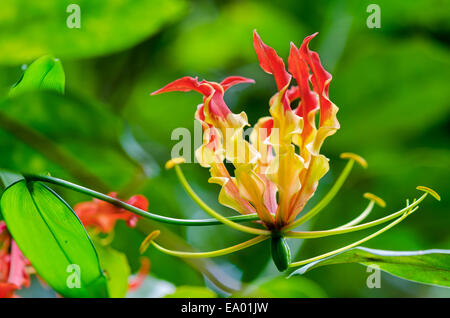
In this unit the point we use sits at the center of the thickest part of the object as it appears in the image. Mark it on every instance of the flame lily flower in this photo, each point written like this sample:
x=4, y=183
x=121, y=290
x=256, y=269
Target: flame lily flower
x=278, y=171
x=14, y=267
x=102, y=216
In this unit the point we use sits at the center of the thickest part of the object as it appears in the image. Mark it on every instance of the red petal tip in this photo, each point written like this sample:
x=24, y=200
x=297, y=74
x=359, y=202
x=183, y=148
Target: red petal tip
x=293, y=47
x=310, y=37
x=184, y=84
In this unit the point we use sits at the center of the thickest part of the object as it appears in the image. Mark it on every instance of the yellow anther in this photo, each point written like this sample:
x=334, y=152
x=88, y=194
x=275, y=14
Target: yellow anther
x=148, y=240
x=358, y=159
x=430, y=191
x=175, y=161
x=374, y=198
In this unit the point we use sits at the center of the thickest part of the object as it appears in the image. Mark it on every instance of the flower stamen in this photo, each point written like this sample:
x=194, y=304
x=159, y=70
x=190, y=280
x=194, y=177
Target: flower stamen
x=342, y=230
x=376, y=199
x=148, y=240
x=367, y=238
x=373, y=199
x=430, y=191
x=215, y=253
x=174, y=161
x=349, y=155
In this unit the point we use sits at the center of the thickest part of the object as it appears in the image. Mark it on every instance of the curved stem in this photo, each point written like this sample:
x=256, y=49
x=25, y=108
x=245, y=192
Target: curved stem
x=326, y=199
x=213, y=213
x=342, y=249
x=316, y=234
x=133, y=209
x=216, y=253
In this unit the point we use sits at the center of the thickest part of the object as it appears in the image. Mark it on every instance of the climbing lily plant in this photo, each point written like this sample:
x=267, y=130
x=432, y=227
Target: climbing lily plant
x=274, y=175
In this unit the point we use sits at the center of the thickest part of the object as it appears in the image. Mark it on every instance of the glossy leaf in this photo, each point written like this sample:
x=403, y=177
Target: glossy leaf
x=116, y=268
x=52, y=237
x=8, y=178
x=428, y=266
x=46, y=73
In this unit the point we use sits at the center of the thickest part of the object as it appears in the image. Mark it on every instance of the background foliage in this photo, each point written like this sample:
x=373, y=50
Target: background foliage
x=107, y=133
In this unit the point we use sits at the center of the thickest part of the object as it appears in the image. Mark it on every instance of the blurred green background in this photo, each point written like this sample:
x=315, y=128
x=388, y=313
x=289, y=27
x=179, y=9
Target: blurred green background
x=391, y=85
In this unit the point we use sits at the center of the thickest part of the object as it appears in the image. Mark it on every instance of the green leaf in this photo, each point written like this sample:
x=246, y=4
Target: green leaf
x=46, y=73
x=428, y=266
x=117, y=270
x=192, y=292
x=52, y=237
x=8, y=178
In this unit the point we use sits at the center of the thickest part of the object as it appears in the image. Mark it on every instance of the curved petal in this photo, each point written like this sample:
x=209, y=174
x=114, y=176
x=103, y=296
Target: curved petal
x=185, y=84
x=229, y=194
x=270, y=62
x=309, y=179
x=234, y=80
x=309, y=103
x=253, y=188
x=320, y=79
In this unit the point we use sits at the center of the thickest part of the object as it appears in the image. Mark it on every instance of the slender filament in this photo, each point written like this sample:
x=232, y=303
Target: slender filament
x=360, y=217
x=216, y=253
x=342, y=249
x=316, y=234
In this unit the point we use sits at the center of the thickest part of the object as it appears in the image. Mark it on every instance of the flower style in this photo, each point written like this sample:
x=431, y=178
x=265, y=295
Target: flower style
x=278, y=170
x=14, y=267
x=102, y=216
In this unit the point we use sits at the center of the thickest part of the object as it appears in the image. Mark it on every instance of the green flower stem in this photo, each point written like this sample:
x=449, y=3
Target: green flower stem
x=342, y=249
x=213, y=213
x=326, y=199
x=133, y=209
x=216, y=253
x=316, y=234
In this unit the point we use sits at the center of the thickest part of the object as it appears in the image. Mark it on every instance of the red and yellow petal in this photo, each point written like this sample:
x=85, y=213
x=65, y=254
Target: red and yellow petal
x=309, y=179
x=270, y=62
